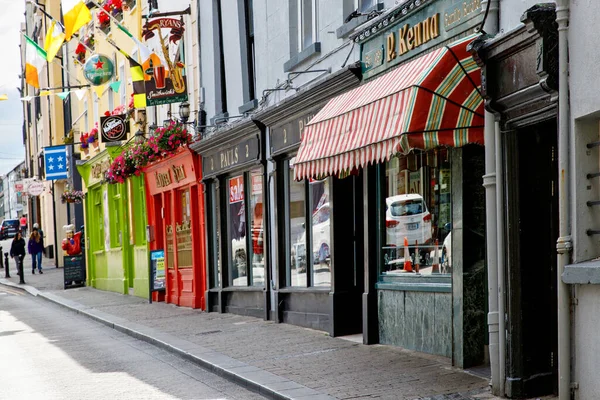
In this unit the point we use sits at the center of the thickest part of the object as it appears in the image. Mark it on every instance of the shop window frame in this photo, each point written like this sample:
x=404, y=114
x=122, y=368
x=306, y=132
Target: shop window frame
x=286, y=244
x=214, y=242
x=97, y=235
x=115, y=213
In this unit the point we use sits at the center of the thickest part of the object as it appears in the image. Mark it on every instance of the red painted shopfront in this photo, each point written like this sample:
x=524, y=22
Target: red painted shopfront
x=176, y=225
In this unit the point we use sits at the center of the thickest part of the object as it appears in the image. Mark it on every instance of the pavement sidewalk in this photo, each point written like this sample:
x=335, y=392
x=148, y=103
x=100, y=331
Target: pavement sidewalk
x=280, y=361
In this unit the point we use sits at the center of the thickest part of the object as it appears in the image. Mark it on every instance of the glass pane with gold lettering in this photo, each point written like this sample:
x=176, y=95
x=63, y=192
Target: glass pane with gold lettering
x=183, y=232
x=257, y=228
x=237, y=232
x=169, y=234
x=321, y=232
x=418, y=225
x=297, y=225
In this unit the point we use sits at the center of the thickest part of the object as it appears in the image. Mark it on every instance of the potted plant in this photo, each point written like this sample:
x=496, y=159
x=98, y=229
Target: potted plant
x=92, y=137
x=69, y=137
x=84, y=145
x=128, y=5
x=72, y=196
x=167, y=140
x=103, y=21
x=80, y=53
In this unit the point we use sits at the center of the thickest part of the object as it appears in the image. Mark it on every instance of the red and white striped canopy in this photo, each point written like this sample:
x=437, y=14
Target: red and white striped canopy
x=432, y=101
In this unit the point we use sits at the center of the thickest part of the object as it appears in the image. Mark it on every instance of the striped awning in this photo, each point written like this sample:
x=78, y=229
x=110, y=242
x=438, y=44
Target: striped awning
x=432, y=101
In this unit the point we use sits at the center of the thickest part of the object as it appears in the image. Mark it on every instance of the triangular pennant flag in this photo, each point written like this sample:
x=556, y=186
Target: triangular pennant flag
x=99, y=90
x=80, y=93
x=54, y=40
x=3, y=97
x=63, y=95
x=45, y=93
x=26, y=98
x=139, y=89
x=115, y=86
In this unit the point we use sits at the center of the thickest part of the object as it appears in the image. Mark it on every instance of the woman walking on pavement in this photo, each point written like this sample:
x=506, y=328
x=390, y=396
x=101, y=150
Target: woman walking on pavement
x=18, y=249
x=35, y=246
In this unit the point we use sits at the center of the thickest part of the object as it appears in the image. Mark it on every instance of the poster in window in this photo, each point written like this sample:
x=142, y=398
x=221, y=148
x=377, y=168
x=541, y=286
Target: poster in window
x=236, y=189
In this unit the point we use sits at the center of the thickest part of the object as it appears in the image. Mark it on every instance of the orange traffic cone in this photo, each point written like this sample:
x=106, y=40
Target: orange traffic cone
x=435, y=269
x=407, y=260
x=417, y=256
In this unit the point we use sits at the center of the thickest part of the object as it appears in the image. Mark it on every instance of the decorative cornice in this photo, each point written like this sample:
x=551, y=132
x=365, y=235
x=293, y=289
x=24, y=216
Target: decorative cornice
x=392, y=16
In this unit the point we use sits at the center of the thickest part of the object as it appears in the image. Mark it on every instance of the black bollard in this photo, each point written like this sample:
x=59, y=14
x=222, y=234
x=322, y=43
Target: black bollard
x=6, y=267
x=19, y=260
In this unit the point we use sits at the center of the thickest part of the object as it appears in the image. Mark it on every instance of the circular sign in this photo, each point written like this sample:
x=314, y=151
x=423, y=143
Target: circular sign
x=35, y=188
x=98, y=70
x=114, y=129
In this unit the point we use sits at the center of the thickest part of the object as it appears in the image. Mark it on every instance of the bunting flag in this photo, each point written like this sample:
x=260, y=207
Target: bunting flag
x=63, y=95
x=139, y=87
x=45, y=93
x=3, y=97
x=115, y=86
x=75, y=18
x=54, y=40
x=99, y=90
x=35, y=57
x=26, y=98
x=80, y=93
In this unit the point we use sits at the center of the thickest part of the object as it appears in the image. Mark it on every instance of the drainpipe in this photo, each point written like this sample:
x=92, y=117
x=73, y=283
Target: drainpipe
x=564, y=243
x=490, y=184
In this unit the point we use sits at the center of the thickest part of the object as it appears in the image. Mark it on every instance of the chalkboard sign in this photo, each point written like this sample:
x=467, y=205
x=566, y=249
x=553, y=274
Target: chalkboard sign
x=74, y=271
x=157, y=270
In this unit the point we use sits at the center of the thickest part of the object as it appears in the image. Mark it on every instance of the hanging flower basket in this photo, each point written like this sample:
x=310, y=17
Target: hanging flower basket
x=72, y=196
x=80, y=53
x=164, y=143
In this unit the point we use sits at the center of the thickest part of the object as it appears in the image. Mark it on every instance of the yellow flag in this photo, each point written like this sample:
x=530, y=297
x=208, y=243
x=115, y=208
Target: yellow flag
x=75, y=18
x=3, y=97
x=45, y=93
x=54, y=40
x=99, y=90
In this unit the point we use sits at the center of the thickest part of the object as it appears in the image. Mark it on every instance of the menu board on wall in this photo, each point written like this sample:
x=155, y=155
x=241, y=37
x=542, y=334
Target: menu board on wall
x=157, y=270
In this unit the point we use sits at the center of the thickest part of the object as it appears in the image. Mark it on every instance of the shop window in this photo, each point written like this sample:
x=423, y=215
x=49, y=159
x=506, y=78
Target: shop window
x=214, y=222
x=418, y=215
x=139, y=210
x=169, y=235
x=236, y=216
x=257, y=249
x=310, y=256
x=115, y=215
x=307, y=23
x=97, y=234
x=183, y=231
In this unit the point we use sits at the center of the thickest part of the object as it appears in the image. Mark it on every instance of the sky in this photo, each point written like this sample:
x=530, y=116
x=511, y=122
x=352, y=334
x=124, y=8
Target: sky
x=12, y=151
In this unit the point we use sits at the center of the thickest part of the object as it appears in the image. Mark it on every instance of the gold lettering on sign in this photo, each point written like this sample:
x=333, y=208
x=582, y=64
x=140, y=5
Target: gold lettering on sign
x=163, y=178
x=391, y=47
x=178, y=173
x=229, y=158
x=169, y=229
x=411, y=37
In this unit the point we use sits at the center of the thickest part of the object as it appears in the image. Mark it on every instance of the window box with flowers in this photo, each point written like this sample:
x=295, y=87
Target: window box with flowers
x=87, y=139
x=72, y=196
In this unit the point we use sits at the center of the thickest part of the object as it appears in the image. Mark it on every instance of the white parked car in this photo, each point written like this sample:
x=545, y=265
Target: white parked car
x=321, y=238
x=406, y=216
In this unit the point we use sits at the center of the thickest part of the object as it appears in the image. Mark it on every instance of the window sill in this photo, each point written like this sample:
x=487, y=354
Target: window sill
x=300, y=57
x=425, y=283
x=585, y=273
x=247, y=107
x=304, y=290
x=243, y=289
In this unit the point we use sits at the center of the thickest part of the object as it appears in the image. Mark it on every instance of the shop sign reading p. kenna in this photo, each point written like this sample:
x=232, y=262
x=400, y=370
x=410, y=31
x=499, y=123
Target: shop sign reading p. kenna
x=413, y=28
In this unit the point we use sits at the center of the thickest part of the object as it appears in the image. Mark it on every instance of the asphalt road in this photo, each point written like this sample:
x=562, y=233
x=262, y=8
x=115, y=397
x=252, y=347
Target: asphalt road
x=47, y=352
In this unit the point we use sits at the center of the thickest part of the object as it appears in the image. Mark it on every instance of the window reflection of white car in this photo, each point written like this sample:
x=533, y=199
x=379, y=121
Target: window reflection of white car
x=406, y=216
x=321, y=237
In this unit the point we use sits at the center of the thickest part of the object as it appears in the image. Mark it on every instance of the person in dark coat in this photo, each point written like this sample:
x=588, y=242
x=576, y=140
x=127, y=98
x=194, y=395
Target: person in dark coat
x=17, y=248
x=35, y=246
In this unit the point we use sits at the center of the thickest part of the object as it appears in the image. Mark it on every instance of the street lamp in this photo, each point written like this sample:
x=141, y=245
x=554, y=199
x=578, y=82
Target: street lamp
x=152, y=129
x=184, y=111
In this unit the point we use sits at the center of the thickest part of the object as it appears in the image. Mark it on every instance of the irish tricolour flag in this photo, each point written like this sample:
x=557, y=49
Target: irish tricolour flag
x=35, y=57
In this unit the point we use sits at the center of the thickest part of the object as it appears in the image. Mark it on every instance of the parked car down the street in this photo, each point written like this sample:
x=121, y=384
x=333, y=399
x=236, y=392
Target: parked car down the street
x=9, y=228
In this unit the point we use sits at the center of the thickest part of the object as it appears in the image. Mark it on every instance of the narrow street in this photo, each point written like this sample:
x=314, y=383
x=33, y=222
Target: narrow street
x=51, y=353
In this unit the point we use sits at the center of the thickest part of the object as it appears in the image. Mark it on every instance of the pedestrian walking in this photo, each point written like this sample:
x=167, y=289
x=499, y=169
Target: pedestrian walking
x=35, y=246
x=17, y=249
x=23, y=224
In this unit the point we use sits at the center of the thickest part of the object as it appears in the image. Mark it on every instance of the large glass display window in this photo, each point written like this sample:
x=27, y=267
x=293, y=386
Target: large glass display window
x=308, y=231
x=417, y=236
